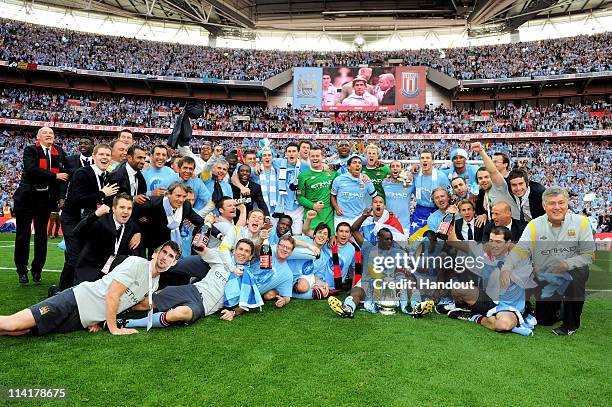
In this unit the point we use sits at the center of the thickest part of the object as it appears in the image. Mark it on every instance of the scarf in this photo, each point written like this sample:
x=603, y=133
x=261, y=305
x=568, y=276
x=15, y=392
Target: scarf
x=419, y=185
x=338, y=271
x=282, y=184
x=43, y=163
x=268, y=187
x=174, y=221
x=242, y=291
x=358, y=264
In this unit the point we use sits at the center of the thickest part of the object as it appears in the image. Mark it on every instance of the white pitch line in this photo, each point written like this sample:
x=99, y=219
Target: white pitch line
x=14, y=269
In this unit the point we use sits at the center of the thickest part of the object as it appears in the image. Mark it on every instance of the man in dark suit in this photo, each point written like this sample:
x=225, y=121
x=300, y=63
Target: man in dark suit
x=386, y=87
x=86, y=193
x=160, y=217
x=502, y=216
x=44, y=172
x=105, y=236
x=128, y=176
x=465, y=227
x=255, y=196
x=84, y=158
x=527, y=194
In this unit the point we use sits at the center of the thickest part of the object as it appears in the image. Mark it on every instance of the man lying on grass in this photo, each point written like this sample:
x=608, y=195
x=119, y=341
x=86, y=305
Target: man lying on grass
x=188, y=303
x=90, y=303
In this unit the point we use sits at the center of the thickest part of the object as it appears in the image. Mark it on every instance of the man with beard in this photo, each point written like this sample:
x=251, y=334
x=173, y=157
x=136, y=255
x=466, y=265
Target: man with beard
x=90, y=303
x=461, y=190
x=129, y=178
x=372, y=220
x=499, y=186
x=255, y=197
x=158, y=175
x=360, y=96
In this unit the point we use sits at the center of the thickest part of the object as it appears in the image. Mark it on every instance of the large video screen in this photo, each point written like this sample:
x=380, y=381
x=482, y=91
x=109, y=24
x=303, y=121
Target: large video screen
x=347, y=88
x=363, y=88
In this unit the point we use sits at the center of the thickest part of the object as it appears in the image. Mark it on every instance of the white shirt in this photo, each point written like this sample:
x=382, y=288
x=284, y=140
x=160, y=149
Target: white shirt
x=525, y=205
x=464, y=229
x=85, y=160
x=133, y=180
x=98, y=172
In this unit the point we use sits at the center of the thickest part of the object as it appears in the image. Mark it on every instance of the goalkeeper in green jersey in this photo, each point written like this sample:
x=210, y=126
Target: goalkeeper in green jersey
x=314, y=188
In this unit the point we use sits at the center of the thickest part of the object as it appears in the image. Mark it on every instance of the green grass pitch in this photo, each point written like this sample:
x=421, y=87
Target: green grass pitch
x=305, y=355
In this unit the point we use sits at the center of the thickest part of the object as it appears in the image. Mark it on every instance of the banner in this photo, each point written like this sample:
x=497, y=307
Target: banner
x=344, y=91
x=307, y=89
x=603, y=242
x=412, y=85
x=406, y=136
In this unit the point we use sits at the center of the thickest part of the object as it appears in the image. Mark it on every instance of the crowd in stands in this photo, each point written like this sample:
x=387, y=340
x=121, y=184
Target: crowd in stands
x=581, y=168
x=24, y=42
x=126, y=111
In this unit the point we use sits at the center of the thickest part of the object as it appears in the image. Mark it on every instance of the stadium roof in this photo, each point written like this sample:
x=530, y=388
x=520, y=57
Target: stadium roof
x=240, y=17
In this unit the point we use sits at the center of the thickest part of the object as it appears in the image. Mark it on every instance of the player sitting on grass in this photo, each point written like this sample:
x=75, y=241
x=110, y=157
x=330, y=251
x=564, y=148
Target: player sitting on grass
x=493, y=307
x=188, y=303
x=310, y=265
x=277, y=283
x=90, y=303
x=357, y=295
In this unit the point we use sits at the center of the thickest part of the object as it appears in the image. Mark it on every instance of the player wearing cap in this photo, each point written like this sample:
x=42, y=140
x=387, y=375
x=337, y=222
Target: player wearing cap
x=459, y=168
x=561, y=248
x=360, y=97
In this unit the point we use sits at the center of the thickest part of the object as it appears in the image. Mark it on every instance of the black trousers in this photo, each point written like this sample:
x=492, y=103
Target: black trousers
x=73, y=248
x=185, y=269
x=36, y=208
x=567, y=307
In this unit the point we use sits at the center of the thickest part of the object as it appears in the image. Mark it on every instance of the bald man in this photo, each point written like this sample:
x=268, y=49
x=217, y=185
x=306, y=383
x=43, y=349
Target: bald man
x=44, y=173
x=501, y=214
x=385, y=90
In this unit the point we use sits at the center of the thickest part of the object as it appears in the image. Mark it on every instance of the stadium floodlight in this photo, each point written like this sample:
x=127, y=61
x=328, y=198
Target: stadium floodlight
x=359, y=40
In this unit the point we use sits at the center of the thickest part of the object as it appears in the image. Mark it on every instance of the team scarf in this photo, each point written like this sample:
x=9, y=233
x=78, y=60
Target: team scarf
x=338, y=285
x=242, y=291
x=53, y=166
x=268, y=186
x=174, y=221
